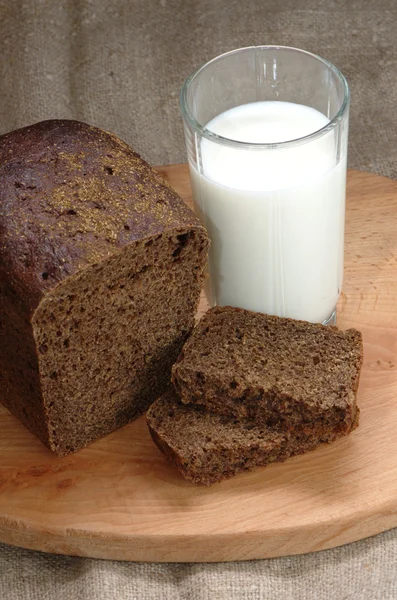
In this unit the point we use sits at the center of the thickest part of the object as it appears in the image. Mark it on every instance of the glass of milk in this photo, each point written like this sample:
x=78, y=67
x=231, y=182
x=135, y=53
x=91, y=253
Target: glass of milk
x=266, y=132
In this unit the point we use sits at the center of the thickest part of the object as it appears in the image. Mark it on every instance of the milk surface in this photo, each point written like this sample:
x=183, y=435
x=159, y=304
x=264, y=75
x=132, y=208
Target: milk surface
x=275, y=216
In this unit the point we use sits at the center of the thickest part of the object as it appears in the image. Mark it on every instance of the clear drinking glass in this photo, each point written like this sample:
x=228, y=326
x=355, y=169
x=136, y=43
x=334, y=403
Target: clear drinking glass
x=274, y=211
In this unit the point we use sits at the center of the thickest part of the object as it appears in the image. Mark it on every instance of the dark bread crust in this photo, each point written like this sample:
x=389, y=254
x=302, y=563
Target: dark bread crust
x=54, y=176
x=78, y=207
x=280, y=372
x=19, y=371
x=207, y=447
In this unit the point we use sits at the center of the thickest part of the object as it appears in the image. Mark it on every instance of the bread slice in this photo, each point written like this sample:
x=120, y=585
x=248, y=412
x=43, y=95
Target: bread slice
x=277, y=371
x=101, y=266
x=207, y=447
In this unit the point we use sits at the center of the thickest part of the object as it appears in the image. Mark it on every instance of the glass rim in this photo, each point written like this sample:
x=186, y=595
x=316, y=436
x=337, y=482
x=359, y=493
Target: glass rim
x=214, y=137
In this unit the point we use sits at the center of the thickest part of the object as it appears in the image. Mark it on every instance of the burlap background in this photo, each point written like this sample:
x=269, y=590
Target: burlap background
x=120, y=64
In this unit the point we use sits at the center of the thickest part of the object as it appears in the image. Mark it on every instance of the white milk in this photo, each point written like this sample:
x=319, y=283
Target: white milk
x=276, y=216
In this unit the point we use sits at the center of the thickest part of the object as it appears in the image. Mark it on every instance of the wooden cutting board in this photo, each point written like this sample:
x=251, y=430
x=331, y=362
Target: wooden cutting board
x=119, y=499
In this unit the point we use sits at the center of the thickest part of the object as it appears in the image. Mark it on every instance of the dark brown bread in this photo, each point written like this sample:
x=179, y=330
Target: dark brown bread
x=207, y=447
x=101, y=265
x=277, y=371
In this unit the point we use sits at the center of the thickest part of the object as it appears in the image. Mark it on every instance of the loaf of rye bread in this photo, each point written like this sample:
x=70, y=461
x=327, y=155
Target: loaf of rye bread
x=280, y=372
x=208, y=447
x=101, y=266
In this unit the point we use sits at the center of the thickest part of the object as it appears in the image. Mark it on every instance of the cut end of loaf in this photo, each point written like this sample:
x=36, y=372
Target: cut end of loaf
x=107, y=338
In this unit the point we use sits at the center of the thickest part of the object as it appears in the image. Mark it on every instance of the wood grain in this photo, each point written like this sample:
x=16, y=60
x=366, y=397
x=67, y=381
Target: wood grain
x=119, y=499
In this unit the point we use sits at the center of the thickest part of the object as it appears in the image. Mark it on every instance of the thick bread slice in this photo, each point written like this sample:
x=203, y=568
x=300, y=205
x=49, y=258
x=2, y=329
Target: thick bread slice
x=207, y=447
x=274, y=370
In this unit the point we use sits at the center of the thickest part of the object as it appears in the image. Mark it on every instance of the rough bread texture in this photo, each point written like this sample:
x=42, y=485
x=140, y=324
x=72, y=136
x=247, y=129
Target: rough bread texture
x=101, y=266
x=279, y=372
x=207, y=447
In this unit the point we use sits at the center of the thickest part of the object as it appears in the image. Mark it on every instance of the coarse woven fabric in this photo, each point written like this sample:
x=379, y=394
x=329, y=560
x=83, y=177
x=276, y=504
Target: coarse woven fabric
x=119, y=65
